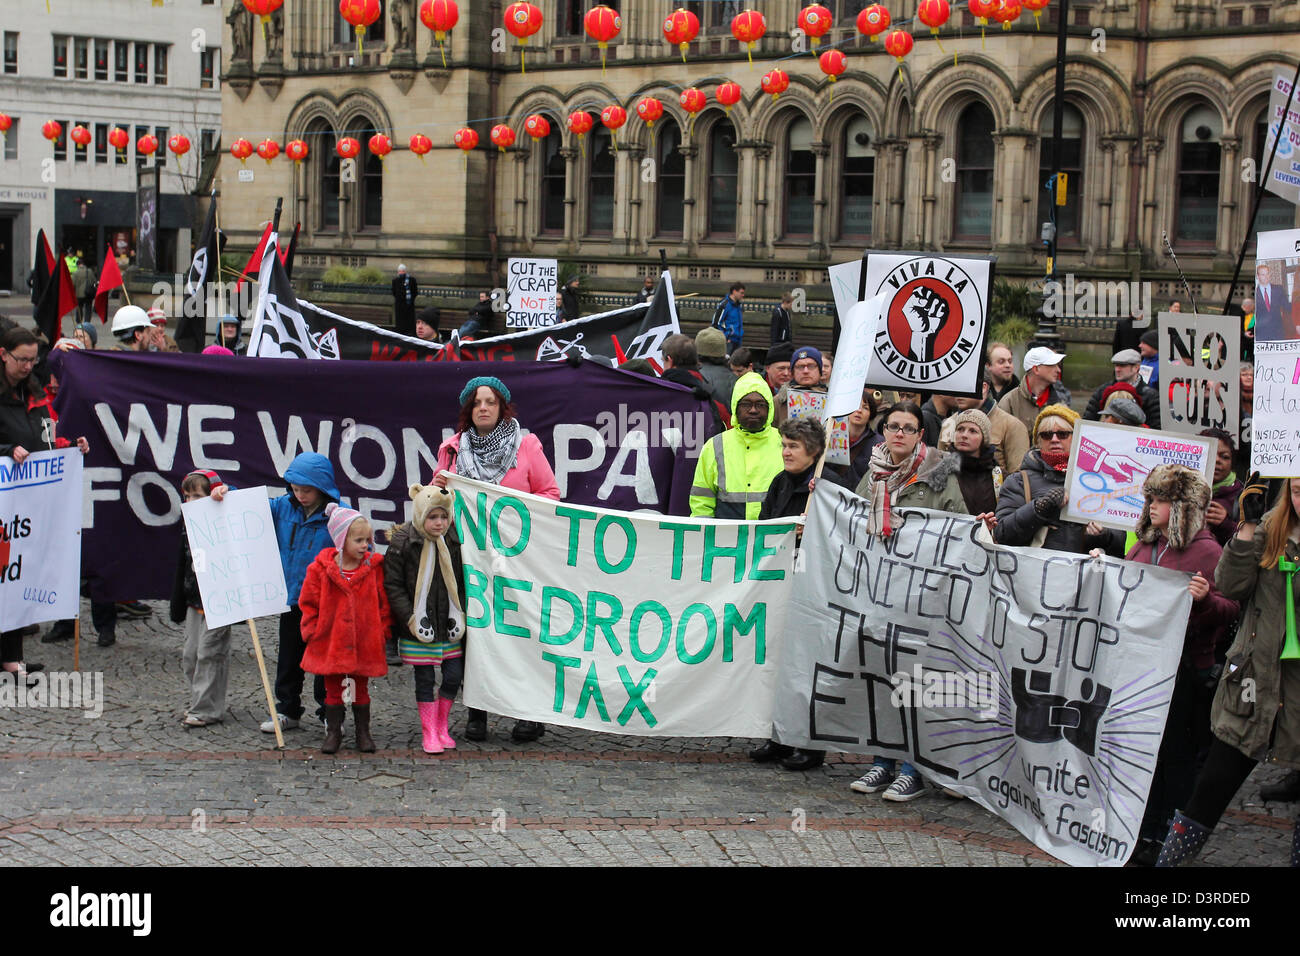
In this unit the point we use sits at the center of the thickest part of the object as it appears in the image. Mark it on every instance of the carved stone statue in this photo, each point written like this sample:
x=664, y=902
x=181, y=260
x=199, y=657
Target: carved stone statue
x=403, y=18
x=241, y=33
x=275, y=36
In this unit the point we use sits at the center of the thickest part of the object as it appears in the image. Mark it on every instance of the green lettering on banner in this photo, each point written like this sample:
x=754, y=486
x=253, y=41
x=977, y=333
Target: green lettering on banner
x=501, y=604
x=476, y=590
x=635, y=701
x=679, y=541
x=629, y=546
x=733, y=623
x=634, y=631
x=525, y=525
x=711, y=622
x=560, y=664
x=761, y=533
x=591, y=692
x=603, y=621
x=548, y=594
x=464, y=523
x=713, y=551
x=575, y=516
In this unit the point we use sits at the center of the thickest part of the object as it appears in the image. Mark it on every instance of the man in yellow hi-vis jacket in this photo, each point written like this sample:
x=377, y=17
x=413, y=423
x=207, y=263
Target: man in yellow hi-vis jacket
x=737, y=466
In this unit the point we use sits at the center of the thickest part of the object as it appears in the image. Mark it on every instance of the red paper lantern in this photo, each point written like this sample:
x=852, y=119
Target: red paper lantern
x=6, y=123
x=241, y=149
x=613, y=117
x=421, y=145
x=898, y=44
x=1007, y=12
x=649, y=109
x=147, y=144
x=728, y=95
x=833, y=64
x=179, y=145
x=981, y=10
x=873, y=21
x=361, y=14
x=934, y=14
x=748, y=27
x=268, y=149
x=52, y=131
x=465, y=139
x=776, y=82
x=118, y=139
x=80, y=135
x=537, y=126
x=814, y=20
x=296, y=150
x=263, y=8
x=380, y=145
x=348, y=148
x=503, y=136
x=602, y=25
x=681, y=27
x=693, y=101
x=1035, y=7
x=580, y=123
x=440, y=16
x=522, y=20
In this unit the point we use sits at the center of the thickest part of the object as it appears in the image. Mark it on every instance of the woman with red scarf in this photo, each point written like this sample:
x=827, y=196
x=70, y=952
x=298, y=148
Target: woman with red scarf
x=1031, y=499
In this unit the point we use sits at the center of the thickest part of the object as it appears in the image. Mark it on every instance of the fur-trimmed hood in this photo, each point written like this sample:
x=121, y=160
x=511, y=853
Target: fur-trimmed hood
x=1188, y=496
x=937, y=467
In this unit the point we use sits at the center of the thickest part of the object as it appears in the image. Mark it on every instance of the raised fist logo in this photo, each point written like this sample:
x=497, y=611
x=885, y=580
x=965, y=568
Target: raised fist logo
x=926, y=312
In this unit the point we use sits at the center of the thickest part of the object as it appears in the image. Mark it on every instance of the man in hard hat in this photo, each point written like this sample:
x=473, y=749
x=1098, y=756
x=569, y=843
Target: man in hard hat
x=135, y=331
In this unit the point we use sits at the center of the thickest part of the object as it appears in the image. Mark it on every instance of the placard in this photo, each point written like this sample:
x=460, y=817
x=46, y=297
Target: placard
x=40, y=538
x=236, y=557
x=530, y=293
x=1200, y=372
x=1275, y=450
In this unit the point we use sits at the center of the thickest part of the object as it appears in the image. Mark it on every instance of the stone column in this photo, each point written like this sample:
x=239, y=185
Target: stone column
x=522, y=232
x=1149, y=230
x=821, y=225
x=1224, y=248
x=925, y=223
x=1105, y=193
x=638, y=193
x=570, y=199
x=749, y=207
x=691, y=229
x=764, y=229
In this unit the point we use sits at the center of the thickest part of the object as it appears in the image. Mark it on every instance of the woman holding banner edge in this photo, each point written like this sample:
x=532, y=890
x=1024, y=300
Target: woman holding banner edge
x=489, y=446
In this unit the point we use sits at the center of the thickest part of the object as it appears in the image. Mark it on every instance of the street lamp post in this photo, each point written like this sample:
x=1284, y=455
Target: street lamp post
x=1046, y=333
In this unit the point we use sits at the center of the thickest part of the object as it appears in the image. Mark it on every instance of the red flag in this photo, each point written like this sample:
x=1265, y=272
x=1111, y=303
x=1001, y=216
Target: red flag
x=255, y=263
x=49, y=253
x=110, y=278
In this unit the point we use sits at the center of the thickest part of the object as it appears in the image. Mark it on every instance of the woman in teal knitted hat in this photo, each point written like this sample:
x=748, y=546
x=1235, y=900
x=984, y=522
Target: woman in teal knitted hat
x=489, y=446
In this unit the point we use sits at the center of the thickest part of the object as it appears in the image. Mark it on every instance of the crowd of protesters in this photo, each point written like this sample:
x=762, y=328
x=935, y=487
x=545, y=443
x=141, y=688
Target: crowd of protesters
x=1001, y=457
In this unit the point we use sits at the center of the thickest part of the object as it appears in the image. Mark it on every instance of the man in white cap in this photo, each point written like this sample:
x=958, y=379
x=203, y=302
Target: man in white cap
x=405, y=291
x=1128, y=365
x=1040, y=387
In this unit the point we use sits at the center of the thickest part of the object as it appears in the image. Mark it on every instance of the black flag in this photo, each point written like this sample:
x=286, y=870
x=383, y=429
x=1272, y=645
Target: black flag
x=279, y=329
x=191, y=329
x=42, y=268
x=293, y=248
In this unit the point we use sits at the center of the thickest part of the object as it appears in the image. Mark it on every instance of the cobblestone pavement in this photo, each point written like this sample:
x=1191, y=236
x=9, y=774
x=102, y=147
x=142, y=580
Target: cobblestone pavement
x=134, y=787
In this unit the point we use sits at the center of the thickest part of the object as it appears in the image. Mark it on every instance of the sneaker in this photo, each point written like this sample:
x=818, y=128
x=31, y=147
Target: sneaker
x=134, y=609
x=906, y=786
x=873, y=781
x=286, y=723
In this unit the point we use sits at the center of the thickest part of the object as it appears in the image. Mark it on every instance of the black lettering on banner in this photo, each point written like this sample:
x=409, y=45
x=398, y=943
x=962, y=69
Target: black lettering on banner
x=817, y=697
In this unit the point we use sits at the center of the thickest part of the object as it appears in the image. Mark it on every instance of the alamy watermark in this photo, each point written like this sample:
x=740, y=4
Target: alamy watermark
x=970, y=690
x=70, y=690
x=672, y=430
x=1084, y=299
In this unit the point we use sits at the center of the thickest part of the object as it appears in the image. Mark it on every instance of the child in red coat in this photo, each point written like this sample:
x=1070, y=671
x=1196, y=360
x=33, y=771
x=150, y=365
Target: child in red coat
x=345, y=618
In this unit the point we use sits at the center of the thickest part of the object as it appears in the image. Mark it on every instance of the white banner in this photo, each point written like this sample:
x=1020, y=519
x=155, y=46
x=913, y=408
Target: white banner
x=1033, y=682
x=1284, y=177
x=1110, y=463
x=236, y=558
x=40, y=538
x=620, y=622
x=530, y=293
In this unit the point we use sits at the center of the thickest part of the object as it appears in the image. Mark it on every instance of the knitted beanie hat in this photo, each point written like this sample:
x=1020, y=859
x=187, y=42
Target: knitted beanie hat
x=1054, y=411
x=491, y=381
x=710, y=343
x=977, y=418
x=217, y=350
x=781, y=352
x=90, y=331
x=806, y=352
x=1121, y=387
x=338, y=520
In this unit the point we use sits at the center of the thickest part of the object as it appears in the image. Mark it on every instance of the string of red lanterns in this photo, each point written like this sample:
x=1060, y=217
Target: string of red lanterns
x=522, y=20
x=681, y=27
x=440, y=16
x=602, y=25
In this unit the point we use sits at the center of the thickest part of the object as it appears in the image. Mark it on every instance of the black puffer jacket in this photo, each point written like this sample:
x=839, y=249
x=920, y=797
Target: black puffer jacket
x=185, y=586
x=787, y=495
x=26, y=419
x=1018, y=522
x=402, y=568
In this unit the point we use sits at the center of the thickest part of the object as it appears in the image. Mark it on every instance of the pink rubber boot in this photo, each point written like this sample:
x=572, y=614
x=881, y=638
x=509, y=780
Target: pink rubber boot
x=444, y=714
x=429, y=725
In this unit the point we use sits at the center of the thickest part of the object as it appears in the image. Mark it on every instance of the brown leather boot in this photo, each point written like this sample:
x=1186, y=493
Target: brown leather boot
x=333, y=729
x=361, y=717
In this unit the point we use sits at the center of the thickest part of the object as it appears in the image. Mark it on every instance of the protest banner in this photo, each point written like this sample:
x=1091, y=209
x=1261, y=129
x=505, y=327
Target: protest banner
x=1200, y=372
x=613, y=438
x=1277, y=305
x=1034, y=682
x=1283, y=120
x=531, y=292
x=40, y=538
x=1109, y=463
x=804, y=403
x=849, y=373
x=236, y=557
x=619, y=622
x=1275, y=425
x=934, y=322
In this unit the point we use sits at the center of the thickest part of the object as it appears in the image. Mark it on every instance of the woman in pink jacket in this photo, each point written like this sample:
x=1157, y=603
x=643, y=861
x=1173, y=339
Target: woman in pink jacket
x=489, y=446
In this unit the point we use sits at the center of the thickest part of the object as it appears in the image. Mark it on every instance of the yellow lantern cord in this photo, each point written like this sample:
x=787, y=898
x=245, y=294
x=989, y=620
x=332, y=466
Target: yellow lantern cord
x=361, y=31
x=443, y=51
x=683, y=46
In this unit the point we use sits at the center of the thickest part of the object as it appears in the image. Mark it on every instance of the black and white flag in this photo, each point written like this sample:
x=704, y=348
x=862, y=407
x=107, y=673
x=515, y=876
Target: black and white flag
x=279, y=330
x=191, y=327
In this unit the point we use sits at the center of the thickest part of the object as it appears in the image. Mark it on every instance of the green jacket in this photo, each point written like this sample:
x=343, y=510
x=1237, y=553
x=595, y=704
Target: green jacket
x=1244, y=713
x=935, y=485
x=736, y=467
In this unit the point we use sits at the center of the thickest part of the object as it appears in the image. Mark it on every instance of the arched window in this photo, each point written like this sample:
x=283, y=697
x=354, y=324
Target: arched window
x=323, y=168
x=1197, y=184
x=368, y=200
x=672, y=181
x=973, y=209
x=800, y=180
x=723, y=176
x=553, y=175
x=1274, y=211
x=859, y=177
x=600, y=183
x=1070, y=163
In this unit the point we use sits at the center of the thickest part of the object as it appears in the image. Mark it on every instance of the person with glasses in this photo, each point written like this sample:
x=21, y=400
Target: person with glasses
x=806, y=371
x=1031, y=499
x=904, y=472
x=736, y=468
x=27, y=424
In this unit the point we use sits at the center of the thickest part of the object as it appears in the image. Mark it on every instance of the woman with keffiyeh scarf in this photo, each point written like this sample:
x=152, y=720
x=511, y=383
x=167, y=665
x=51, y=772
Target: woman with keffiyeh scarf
x=905, y=472
x=490, y=446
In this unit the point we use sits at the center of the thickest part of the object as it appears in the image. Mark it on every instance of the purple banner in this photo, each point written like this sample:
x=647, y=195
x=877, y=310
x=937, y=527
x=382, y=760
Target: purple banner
x=615, y=439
